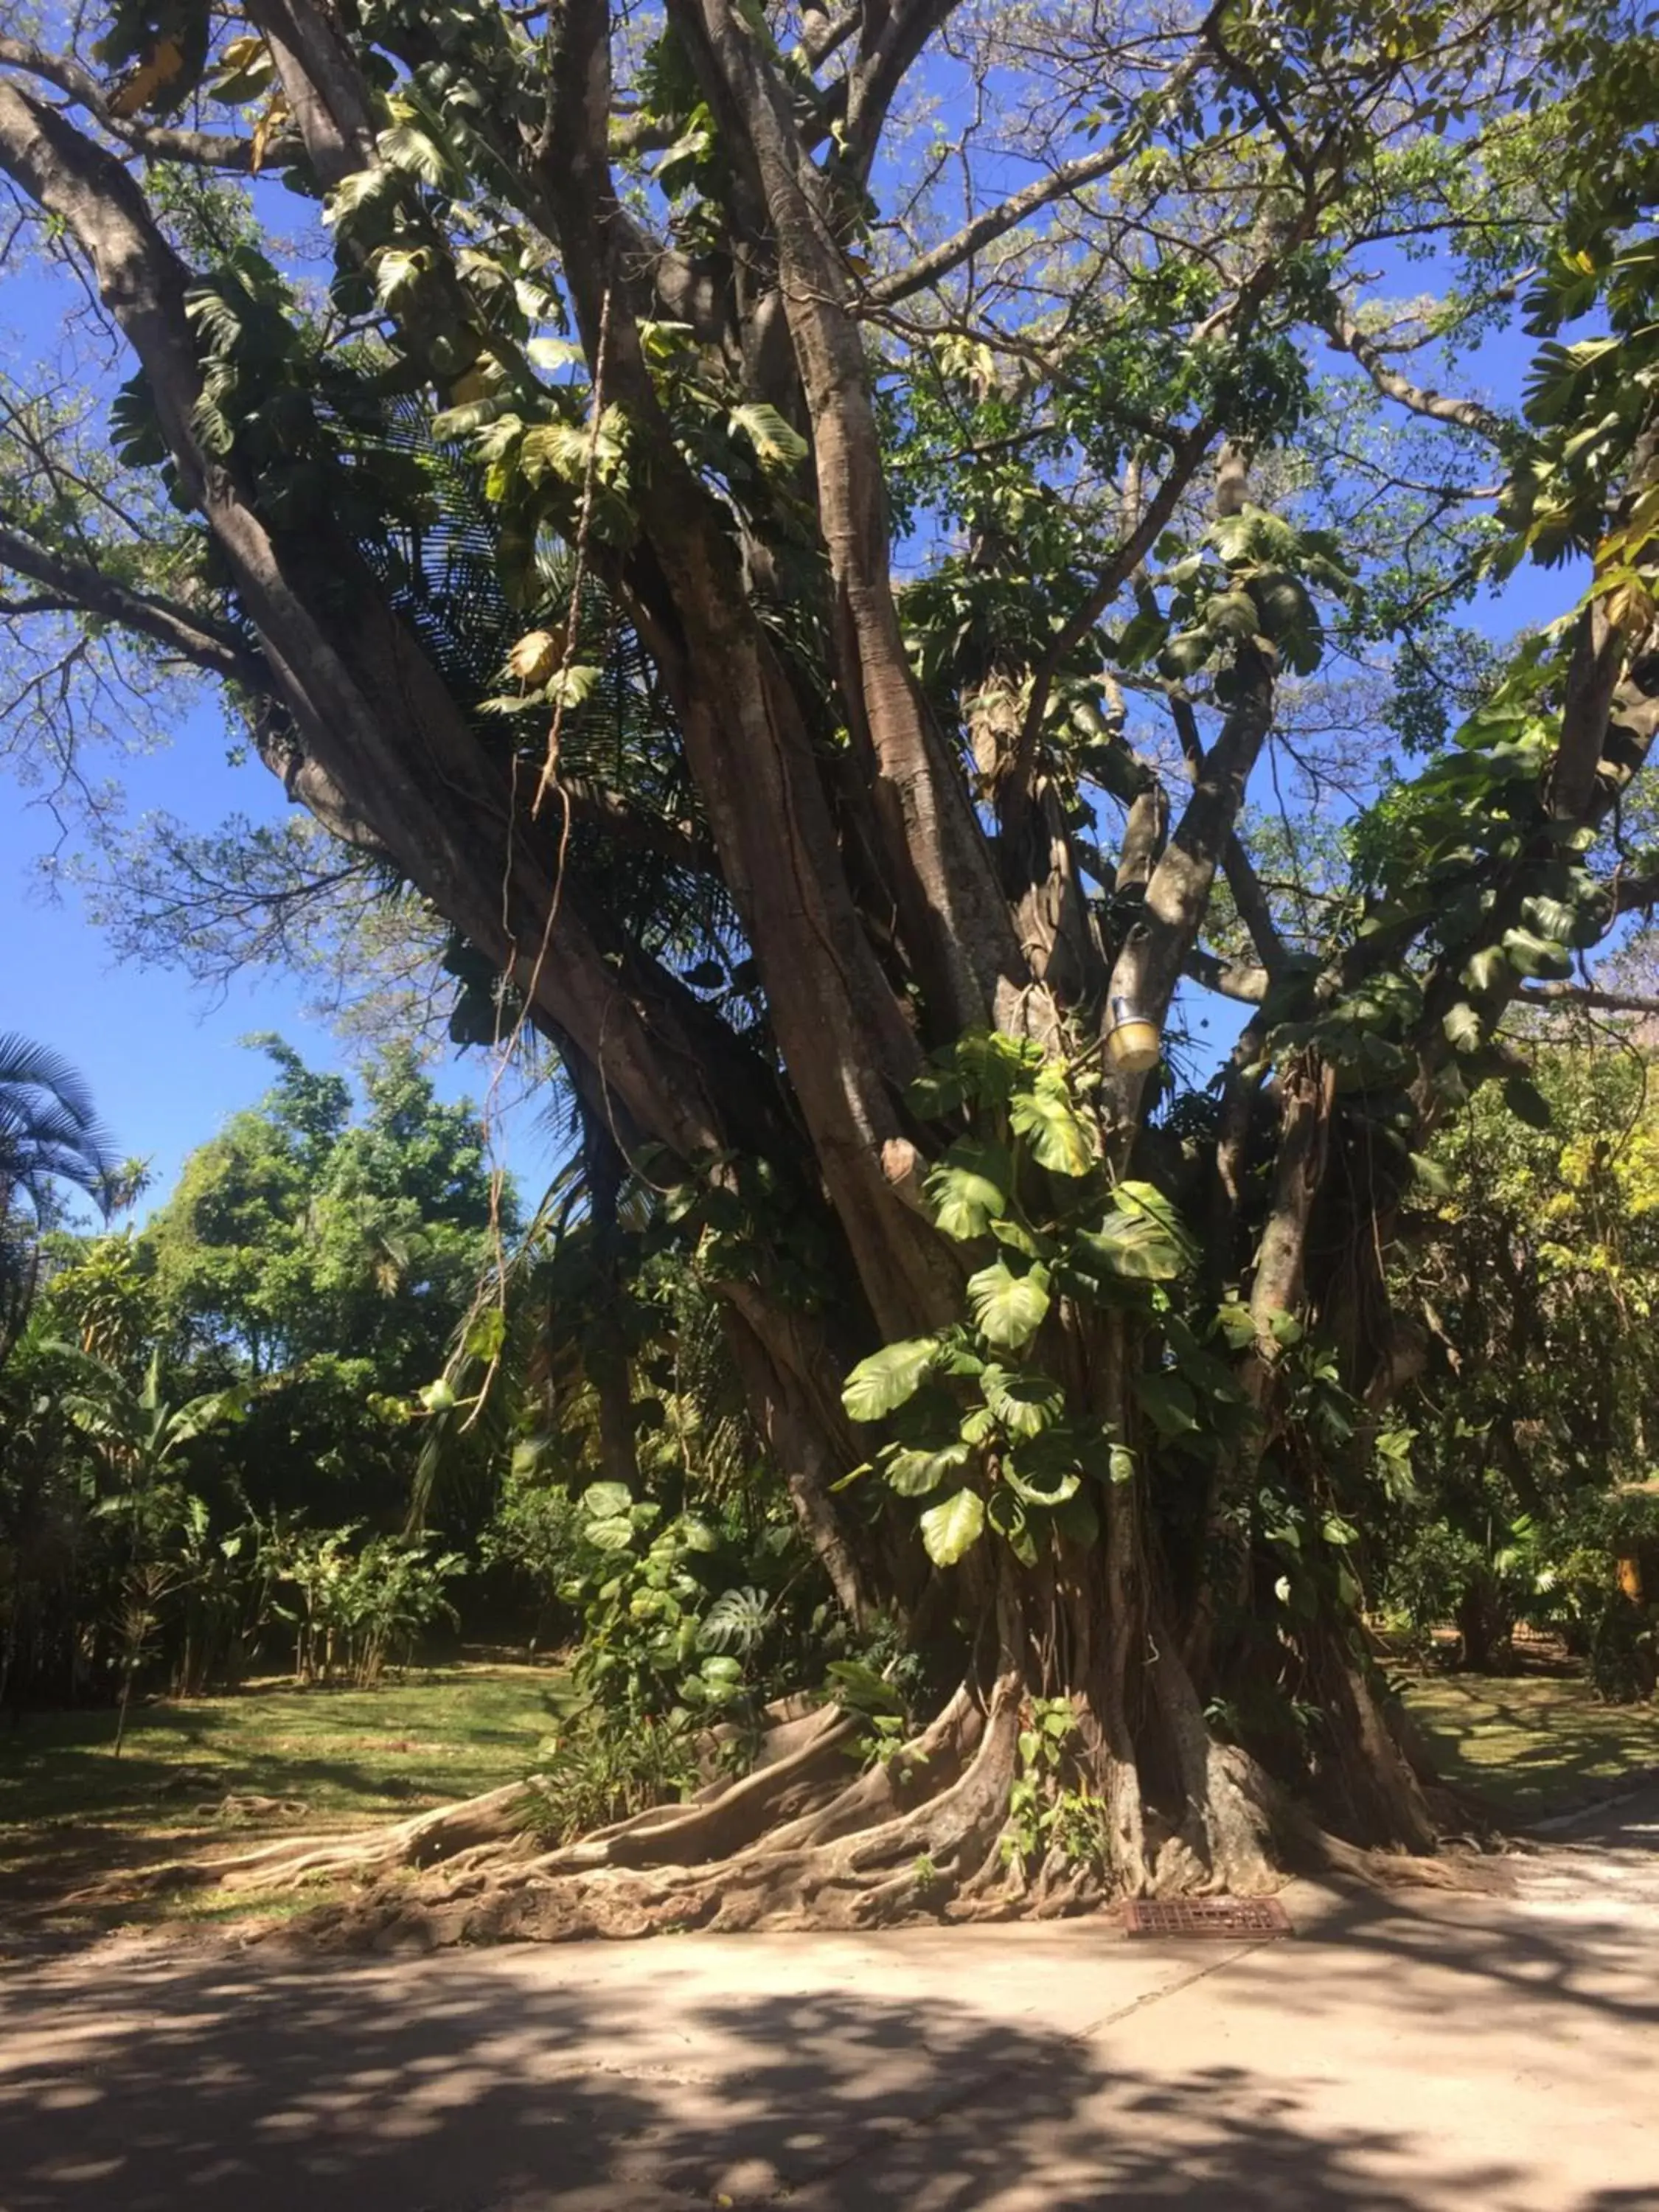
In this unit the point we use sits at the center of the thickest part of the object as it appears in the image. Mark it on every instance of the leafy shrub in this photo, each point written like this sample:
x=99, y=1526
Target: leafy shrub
x=1625, y=1651
x=1429, y=1575
x=1049, y=1809
x=595, y=1769
x=356, y=1612
x=533, y=1534
x=1617, y=1627
x=677, y=1633
x=636, y=1579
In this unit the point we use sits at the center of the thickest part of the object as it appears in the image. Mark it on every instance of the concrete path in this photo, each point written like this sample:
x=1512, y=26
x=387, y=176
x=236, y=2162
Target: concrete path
x=1434, y=2056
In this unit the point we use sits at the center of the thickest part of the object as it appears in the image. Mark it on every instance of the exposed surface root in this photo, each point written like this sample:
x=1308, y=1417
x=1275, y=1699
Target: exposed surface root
x=801, y=1765
x=1229, y=1828
x=1304, y=1847
x=789, y=1782
x=494, y=1821
x=804, y=1842
x=907, y=1838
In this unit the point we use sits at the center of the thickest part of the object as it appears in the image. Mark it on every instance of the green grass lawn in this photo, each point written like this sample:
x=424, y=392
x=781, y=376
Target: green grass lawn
x=71, y=1812
x=1531, y=1744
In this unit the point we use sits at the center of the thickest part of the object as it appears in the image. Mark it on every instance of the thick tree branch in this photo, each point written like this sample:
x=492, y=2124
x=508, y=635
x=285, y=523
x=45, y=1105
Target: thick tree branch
x=1233, y=979
x=200, y=149
x=954, y=918
x=1588, y=995
x=839, y=1031
x=1611, y=676
x=309, y=784
x=1628, y=739
x=1609, y=723
x=1159, y=945
x=1184, y=462
x=326, y=93
x=209, y=645
x=1345, y=333
x=818, y=44
x=1254, y=910
x=368, y=706
x=1593, y=674
x=883, y=65
x=595, y=808
x=140, y=279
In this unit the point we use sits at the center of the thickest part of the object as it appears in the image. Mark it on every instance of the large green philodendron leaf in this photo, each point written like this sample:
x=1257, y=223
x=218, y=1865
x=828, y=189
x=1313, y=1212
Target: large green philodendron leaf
x=953, y=1527
x=913, y=1473
x=877, y=1385
x=1040, y=1483
x=1024, y=1402
x=1167, y=1403
x=1008, y=1309
x=1529, y=954
x=969, y=1188
x=613, y=1533
x=603, y=1501
x=1143, y=1237
x=1527, y=1101
x=777, y=443
x=1058, y=1139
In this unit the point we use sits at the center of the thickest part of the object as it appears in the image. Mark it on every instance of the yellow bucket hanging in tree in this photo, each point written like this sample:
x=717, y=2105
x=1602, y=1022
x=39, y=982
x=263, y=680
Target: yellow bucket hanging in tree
x=1133, y=1043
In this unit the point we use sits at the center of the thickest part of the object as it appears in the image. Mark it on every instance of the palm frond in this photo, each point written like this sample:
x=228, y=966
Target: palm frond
x=49, y=1128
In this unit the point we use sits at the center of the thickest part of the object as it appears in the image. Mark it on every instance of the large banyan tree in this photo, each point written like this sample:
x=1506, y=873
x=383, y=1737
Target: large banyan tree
x=878, y=569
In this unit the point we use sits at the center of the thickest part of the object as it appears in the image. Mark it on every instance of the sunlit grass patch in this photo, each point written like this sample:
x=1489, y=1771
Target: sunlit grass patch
x=1533, y=1744
x=198, y=1777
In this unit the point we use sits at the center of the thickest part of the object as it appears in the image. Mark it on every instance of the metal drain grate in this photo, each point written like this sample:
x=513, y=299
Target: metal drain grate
x=1215, y=1917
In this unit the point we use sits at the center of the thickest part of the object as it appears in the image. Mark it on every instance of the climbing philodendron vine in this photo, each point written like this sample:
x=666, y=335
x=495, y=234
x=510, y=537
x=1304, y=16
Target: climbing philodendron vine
x=979, y=1428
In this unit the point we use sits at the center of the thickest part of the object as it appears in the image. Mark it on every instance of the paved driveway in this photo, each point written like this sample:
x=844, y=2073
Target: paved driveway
x=1438, y=2056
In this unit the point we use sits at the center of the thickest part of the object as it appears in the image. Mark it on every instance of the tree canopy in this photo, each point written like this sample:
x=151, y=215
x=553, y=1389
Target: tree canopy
x=324, y=1261
x=857, y=572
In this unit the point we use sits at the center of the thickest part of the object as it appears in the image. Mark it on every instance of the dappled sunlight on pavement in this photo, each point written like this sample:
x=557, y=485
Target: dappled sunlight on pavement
x=1476, y=2053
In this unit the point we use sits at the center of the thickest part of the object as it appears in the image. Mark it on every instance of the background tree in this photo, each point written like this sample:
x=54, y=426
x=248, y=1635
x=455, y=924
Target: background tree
x=546, y=541
x=214, y=1420
x=1522, y=1439
x=327, y=1263
x=142, y=1441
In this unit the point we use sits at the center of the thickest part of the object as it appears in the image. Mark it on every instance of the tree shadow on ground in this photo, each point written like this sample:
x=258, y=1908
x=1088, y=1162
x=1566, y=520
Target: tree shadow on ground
x=1579, y=1939
x=76, y=1821
x=677, y=2073
x=459, y=2084
x=1531, y=1742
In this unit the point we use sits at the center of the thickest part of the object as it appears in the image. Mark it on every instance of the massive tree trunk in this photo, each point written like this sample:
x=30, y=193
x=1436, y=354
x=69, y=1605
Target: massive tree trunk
x=1105, y=1736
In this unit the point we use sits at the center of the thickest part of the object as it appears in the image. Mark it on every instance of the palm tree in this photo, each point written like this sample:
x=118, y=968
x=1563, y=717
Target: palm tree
x=49, y=1136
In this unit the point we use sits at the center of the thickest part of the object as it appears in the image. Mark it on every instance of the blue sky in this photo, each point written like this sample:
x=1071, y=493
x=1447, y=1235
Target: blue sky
x=163, y=1062
x=163, y=1058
